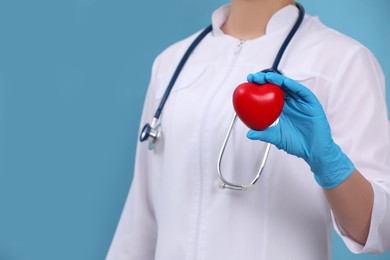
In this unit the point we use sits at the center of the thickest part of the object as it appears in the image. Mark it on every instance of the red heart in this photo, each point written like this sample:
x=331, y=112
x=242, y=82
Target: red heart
x=258, y=106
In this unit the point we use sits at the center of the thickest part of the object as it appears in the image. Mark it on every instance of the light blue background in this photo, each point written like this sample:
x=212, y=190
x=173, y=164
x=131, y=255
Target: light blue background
x=73, y=75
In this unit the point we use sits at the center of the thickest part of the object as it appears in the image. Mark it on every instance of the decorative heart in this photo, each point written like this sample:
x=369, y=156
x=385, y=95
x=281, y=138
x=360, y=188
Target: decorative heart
x=258, y=106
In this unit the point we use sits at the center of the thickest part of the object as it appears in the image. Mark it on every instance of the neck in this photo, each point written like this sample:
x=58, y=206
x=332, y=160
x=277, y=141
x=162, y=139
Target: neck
x=248, y=19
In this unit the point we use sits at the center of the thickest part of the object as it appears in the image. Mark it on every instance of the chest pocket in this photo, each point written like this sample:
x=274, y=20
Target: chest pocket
x=305, y=78
x=317, y=84
x=187, y=78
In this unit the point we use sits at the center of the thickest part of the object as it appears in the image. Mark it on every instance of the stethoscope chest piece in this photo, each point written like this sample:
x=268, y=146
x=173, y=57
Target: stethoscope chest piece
x=151, y=133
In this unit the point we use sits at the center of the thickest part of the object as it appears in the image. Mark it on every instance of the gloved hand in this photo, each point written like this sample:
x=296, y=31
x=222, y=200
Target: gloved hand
x=304, y=131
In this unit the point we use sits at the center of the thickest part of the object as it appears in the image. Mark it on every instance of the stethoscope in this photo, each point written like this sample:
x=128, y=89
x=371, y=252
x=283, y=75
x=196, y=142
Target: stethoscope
x=152, y=131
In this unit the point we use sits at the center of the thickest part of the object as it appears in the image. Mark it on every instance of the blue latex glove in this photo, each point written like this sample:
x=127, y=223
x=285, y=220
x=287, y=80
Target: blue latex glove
x=304, y=131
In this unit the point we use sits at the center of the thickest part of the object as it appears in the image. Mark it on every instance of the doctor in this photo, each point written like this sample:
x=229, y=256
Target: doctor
x=328, y=167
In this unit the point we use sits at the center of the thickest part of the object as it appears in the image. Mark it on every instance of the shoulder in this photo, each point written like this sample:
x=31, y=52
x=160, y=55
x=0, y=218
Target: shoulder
x=326, y=50
x=320, y=35
x=169, y=58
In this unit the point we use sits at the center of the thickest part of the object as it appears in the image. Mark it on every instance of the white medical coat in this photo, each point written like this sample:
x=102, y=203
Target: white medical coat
x=175, y=212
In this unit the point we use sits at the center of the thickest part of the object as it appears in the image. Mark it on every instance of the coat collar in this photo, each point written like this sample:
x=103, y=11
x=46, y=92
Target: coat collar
x=282, y=19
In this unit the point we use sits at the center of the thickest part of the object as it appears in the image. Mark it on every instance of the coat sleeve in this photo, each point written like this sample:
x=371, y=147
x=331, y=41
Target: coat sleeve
x=135, y=236
x=358, y=117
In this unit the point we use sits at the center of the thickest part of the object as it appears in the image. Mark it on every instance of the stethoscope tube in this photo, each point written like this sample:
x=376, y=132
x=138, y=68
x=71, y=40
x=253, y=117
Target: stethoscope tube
x=152, y=132
x=288, y=39
x=179, y=68
x=224, y=183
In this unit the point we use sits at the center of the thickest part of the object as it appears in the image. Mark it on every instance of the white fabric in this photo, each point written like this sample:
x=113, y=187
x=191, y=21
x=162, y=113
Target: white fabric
x=175, y=212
